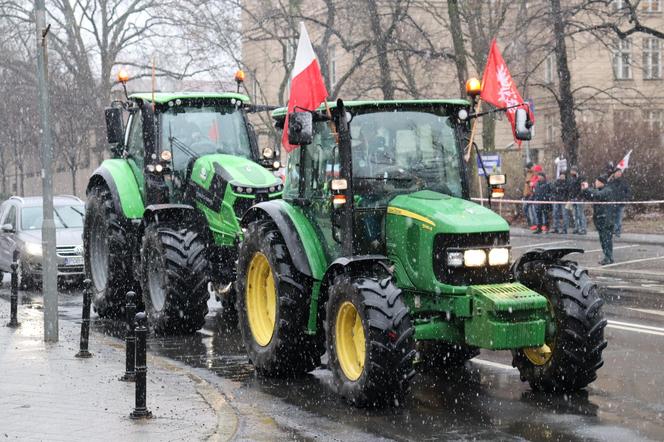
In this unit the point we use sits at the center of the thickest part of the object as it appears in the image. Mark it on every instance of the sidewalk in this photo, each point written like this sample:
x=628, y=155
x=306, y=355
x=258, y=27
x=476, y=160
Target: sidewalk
x=48, y=394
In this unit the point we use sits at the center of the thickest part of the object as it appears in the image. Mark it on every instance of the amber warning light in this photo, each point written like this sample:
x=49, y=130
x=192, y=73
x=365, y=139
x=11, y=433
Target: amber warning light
x=123, y=76
x=239, y=76
x=473, y=87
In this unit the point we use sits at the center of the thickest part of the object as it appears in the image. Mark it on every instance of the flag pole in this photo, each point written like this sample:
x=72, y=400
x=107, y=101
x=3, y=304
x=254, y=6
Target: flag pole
x=331, y=122
x=468, y=151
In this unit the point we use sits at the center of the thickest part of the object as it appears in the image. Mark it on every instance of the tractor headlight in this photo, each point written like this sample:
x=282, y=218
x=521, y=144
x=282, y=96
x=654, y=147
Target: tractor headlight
x=474, y=258
x=454, y=259
x=499, y=257
x=239, y=189
x=33, y=248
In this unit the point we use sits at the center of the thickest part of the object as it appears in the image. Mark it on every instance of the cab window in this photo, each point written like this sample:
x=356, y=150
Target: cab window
x=135, y=146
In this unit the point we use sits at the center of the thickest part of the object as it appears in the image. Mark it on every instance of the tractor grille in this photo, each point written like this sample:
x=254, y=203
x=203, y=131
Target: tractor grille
x=243, y=204
x=463, y=275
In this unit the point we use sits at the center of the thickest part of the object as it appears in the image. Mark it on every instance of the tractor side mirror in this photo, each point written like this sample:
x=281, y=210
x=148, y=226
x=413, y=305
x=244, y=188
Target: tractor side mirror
x=300, y=128
x=114, y=125
x=7, y=228
x=523, y=125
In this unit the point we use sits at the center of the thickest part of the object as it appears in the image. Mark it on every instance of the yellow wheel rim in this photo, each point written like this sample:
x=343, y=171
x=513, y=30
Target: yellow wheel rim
x=538, y=355
x=261, y=300
x=350, y=341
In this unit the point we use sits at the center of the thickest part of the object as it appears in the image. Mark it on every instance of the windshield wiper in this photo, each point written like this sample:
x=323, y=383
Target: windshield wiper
x=60, y=218
x=174, y=141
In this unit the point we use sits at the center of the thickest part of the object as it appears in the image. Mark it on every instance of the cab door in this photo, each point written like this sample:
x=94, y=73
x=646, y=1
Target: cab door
x=135, y=149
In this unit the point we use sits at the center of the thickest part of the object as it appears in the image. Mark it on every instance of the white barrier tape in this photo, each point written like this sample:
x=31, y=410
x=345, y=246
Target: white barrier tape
x=590, y=203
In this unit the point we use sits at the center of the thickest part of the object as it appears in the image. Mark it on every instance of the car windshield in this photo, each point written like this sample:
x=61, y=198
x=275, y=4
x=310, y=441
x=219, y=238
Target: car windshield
x=407, y=146
x=189, y=130
x=65, y=217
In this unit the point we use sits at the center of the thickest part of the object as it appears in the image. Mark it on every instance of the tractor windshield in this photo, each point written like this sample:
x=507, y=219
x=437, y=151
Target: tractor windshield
x=403, y=151
x=189, y=130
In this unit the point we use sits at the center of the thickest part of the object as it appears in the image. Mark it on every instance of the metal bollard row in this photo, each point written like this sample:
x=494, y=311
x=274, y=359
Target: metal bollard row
x=140, y=410
x=13, y=321
x=83, y=351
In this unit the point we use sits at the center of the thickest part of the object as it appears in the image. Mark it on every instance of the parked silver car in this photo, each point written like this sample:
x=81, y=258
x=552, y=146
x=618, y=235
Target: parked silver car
x=20, y=229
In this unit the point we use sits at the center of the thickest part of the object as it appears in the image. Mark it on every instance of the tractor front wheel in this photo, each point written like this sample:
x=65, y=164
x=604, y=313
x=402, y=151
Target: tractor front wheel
x=272, y=300
x=174, y=279
x=370, y=341
x=574, y=340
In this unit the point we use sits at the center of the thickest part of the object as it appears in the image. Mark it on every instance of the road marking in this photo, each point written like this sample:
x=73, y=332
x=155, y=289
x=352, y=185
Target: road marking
x=615, y=248
x=540, y=244
x=648, y=332
x=632, y=261
x=639, y=326
x=644, y=310
x=492, y=364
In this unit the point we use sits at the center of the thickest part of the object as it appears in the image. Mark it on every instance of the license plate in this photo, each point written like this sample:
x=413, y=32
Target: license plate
x=74, y=261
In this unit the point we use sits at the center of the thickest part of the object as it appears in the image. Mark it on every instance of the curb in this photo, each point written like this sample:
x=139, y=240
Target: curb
x=634, y=238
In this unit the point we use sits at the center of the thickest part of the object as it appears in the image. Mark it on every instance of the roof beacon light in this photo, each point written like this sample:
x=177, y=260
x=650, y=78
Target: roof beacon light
x=473, y=87
x=239, y=79
x=123, y=76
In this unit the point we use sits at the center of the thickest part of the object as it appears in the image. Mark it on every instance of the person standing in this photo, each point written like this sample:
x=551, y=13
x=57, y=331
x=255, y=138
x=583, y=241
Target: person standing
x=541, y=194
x=623, y=192
x=560, y=193
x=574, y=194
x=527, y=196
x=603, y=214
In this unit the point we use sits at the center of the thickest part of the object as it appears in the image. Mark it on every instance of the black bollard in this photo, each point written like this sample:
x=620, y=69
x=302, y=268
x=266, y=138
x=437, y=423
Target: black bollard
x=141, y=411
x=85, y=322
x=130, y=340
x=13, y=321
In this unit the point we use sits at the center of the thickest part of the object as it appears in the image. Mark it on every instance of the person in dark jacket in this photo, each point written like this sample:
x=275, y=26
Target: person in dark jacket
x=560, y=192
x=541, y=192
x=623, y=192
x=574, y=194
x=603, y=214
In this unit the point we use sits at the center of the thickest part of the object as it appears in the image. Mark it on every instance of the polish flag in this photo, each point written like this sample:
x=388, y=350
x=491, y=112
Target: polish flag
x=499, y=89
x=624, y=163
x=308, y=89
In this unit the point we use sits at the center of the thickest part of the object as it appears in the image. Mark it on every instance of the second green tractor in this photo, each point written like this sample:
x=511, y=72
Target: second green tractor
x=377, y=257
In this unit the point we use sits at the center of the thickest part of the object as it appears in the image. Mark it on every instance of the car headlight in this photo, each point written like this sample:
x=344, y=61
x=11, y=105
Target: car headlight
x=474, y=258
x=499, y=257
x=33, y=248
x=454, y=259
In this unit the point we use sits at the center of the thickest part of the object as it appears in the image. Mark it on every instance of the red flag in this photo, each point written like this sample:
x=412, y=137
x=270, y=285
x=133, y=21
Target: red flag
x=308, y=89
x=499, y=89
x=624, y=163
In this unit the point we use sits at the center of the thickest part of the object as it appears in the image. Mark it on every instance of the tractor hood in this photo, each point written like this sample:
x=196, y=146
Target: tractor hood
x=446, y=214
x=231, y=169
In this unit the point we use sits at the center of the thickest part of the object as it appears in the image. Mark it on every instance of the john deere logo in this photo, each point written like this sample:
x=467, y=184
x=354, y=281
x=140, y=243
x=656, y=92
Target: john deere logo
x=203, y=173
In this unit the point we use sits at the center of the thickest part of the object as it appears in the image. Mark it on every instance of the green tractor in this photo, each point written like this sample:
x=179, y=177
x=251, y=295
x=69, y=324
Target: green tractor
x=163, y=214
x=377, y=256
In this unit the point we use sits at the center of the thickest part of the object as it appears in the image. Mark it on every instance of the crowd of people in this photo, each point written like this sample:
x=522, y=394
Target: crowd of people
x=553, y=206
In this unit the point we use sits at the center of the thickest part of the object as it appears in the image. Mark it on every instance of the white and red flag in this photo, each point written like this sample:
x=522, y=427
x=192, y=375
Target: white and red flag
x=499, y=89
x=624, y=163
x=308, y=89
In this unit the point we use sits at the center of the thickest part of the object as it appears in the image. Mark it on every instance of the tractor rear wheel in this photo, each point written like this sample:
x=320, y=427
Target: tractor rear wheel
x=107, y=252
x=370, y=340
x=174, y=279
x=272, y=300
x=574, y=339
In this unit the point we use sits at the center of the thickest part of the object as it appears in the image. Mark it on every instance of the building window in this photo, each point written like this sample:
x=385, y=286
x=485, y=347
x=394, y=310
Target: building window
x=655, y=119
x=652, y=58
x=622, y=60
x=550, y=130
x=549, y=65
x=651, y=5
x=332, y=65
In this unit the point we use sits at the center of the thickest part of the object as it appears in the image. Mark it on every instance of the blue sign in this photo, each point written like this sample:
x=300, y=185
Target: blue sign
x=491, y=164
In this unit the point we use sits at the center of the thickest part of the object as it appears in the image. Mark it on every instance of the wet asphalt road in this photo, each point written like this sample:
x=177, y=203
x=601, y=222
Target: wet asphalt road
x=485, y=400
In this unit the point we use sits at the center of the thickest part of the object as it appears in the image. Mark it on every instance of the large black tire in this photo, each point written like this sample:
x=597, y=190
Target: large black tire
x=107, y=253
x=384, y=374
x=175, y=274
x=290, y=351
x=578, y=339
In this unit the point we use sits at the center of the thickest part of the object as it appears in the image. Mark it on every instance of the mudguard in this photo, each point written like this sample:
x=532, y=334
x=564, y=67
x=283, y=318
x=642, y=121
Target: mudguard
x=542, y=254
x=117, y=175
x=298, y=233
